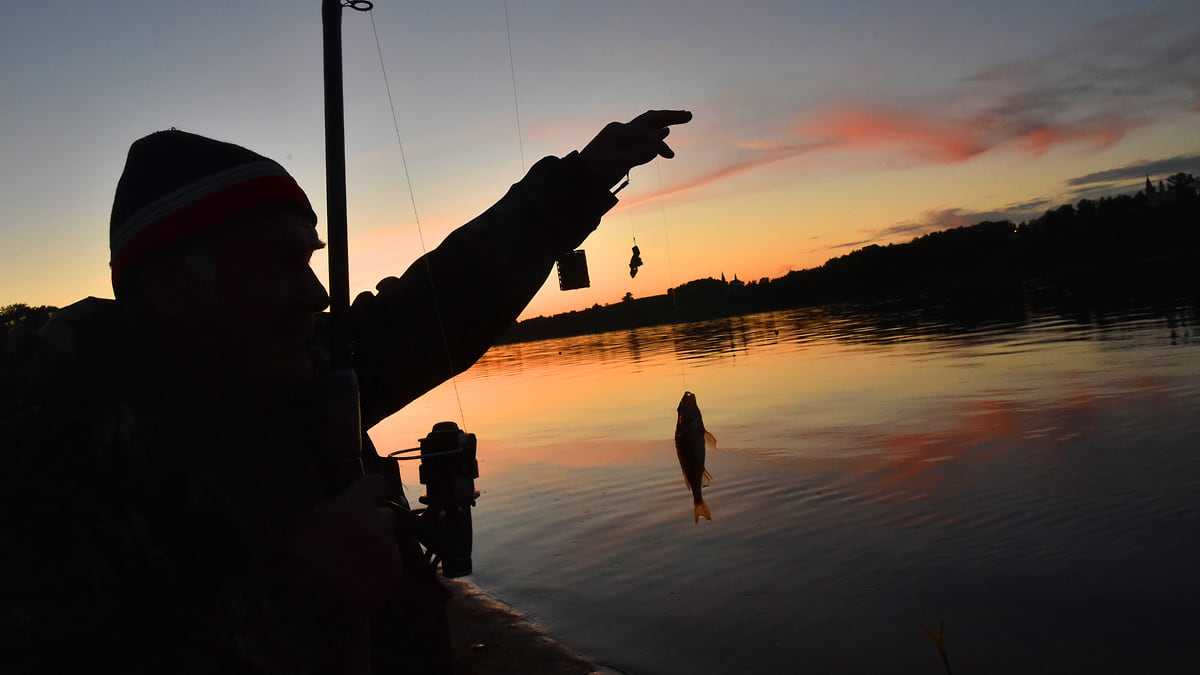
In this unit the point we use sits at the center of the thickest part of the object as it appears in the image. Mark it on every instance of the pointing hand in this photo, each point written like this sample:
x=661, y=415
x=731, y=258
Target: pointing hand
x=620, y=147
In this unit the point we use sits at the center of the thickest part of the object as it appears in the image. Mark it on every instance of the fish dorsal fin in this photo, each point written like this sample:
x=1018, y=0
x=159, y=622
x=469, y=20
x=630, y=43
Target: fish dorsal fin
x=710, y=439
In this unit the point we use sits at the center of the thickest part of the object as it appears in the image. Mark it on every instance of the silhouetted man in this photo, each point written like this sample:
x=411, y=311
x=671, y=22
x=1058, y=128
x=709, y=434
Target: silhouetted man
x=165, y=504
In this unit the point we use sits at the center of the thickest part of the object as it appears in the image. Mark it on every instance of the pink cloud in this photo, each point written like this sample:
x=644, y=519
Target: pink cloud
x=921, y=136
x=945, y=139
x=1101, y=135
x=942, y=140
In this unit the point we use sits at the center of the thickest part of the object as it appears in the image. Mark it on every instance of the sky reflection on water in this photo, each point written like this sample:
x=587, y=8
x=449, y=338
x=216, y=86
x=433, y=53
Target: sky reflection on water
x=1033, y=482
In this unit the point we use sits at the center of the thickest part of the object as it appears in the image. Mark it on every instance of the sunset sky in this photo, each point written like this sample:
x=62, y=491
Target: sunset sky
x=819, y=126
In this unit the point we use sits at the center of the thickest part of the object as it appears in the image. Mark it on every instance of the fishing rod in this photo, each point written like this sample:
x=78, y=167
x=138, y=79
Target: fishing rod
x=447, y=454
x=345, y=413
x=344, y=430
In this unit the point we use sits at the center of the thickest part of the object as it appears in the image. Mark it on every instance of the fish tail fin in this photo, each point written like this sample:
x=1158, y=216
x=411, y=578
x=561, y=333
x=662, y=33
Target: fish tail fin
x=702, y=510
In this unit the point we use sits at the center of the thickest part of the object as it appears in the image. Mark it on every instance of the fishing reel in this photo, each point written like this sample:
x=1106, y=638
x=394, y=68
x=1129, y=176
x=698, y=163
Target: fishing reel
x=448, y=471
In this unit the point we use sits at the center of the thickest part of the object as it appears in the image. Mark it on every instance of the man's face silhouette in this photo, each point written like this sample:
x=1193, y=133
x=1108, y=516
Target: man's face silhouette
x=249, y=321
x=266, y=296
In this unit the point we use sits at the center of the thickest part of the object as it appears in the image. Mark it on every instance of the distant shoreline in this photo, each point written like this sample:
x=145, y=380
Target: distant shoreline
x=1122, y=285
x=1138, y=247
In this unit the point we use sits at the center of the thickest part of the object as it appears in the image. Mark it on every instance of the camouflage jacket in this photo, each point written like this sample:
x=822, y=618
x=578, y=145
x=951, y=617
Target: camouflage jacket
x=140, y=525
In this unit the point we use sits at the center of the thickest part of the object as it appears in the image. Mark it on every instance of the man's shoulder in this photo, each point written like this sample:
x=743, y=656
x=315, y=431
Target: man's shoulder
x=55, y=361
x=57, y=416
x=63, y=332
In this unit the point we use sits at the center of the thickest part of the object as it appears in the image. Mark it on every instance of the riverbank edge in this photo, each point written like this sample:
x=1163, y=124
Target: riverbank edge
x=488, y=636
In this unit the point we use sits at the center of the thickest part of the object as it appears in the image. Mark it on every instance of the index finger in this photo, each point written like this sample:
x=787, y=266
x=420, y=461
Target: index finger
x=655, y=119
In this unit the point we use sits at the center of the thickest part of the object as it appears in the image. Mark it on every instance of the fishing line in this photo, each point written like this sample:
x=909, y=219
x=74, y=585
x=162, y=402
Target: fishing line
x=666, y=239
x=437, y=312
x=512, y=70
x=662, y=207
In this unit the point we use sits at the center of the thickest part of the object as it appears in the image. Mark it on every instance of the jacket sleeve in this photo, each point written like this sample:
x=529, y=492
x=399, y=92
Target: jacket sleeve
x=471, y=288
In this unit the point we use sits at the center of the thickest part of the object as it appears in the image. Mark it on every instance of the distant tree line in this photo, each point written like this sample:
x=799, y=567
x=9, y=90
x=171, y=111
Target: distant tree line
x=1125, y=246
x=20, y=314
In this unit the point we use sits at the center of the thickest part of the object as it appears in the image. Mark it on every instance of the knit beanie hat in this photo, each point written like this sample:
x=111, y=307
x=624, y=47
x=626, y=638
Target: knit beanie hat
x=177, y=184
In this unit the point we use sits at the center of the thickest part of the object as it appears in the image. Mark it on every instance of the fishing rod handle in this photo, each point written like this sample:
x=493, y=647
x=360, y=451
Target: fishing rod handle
x=345, y=429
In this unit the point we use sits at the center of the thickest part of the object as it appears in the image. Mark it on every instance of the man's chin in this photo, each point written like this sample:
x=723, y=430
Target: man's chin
x=297, y=374
x=290, y=364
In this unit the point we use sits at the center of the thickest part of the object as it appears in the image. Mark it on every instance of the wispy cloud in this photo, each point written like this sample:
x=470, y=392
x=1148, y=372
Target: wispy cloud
x=1126, y=179
x=1139, y=170
x=753, y=155
x=1088, y=93
x=1121, y=179
x=895, y=233
x=933, y=137
x=945, y=219
x=1134, y=67
x=865, y=129
x=850, y=244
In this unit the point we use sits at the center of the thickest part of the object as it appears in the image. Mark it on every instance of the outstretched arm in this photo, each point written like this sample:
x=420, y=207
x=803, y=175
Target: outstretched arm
x=474, y=285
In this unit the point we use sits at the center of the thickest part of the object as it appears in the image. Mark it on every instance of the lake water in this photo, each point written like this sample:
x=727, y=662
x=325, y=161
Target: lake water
x=1033, y=482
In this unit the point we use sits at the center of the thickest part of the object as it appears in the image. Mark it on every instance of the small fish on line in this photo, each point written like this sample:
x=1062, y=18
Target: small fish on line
x=690, y=438
x=635, y=262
